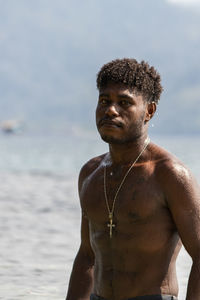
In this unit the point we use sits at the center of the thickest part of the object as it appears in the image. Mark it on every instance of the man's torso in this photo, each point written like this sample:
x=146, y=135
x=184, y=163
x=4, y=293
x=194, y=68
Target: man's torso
x=140, y=257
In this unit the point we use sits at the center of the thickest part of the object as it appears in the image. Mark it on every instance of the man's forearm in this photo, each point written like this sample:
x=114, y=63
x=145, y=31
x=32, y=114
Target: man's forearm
x=81, y=280
x=193, y=290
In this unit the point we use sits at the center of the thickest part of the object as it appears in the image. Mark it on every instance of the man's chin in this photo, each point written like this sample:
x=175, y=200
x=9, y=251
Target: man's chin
x=112, y=140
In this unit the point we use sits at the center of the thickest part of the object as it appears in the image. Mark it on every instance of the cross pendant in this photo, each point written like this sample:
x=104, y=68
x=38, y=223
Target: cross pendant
x=111, y=225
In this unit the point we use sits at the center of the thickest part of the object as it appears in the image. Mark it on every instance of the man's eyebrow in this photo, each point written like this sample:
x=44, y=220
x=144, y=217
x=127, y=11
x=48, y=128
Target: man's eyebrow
x=120, y=96
x=103, y=95
x=124, y=96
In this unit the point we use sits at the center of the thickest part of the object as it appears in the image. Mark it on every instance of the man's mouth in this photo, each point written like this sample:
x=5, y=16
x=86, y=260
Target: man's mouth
x=110, y=123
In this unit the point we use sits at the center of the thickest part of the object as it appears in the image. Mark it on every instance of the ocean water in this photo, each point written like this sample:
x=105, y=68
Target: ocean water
x=40, y=214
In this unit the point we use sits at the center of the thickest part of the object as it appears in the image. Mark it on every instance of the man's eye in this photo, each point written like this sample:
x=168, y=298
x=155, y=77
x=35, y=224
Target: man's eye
x=125, y=103
x=103, y=101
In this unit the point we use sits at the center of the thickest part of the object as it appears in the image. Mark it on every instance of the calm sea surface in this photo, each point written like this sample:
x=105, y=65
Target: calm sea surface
x=40, y=215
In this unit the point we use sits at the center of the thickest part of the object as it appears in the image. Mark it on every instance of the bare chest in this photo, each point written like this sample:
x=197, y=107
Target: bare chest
x=138, y=200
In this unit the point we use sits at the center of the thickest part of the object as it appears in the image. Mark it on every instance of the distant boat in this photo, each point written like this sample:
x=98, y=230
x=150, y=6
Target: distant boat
x=11, y=126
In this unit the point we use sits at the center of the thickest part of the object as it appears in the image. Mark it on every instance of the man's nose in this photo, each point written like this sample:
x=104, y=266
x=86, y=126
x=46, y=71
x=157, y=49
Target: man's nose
x=112, y=110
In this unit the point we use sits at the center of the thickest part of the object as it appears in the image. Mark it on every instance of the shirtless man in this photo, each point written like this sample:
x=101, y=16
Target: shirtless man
x=138, y=201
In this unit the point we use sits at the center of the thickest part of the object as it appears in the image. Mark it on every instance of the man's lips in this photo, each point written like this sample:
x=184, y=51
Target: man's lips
x=110, y=123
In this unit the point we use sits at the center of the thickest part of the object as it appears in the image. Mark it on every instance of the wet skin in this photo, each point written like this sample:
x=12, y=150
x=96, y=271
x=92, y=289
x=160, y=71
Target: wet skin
x=157, y=204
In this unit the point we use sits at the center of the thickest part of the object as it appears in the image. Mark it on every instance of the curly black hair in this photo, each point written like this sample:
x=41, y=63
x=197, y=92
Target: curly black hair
x=141, y=76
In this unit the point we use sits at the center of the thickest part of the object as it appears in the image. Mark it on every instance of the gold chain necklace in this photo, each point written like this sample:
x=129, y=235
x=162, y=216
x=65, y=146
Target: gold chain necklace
x=111, y=225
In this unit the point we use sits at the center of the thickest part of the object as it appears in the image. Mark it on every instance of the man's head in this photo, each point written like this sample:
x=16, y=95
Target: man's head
x=138, y=76
x=128, y=93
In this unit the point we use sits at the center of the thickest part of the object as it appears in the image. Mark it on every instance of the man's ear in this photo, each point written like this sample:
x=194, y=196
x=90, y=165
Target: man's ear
x=150, y=111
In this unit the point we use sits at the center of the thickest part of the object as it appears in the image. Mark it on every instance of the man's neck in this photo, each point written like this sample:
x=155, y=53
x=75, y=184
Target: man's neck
x=126, y=153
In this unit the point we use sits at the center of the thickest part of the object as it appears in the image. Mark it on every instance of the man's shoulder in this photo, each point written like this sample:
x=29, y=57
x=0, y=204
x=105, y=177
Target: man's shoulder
x=168, y=167
x=90, y=166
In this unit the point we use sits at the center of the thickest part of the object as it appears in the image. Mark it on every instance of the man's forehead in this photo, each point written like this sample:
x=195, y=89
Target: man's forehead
x=120, y=88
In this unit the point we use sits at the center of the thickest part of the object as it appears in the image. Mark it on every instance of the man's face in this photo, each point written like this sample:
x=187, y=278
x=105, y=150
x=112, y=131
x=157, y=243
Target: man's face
x=120, y=114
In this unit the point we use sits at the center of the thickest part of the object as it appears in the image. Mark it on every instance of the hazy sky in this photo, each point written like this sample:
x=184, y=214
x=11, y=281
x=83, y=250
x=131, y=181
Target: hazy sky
x=186, y=2
x=50, y=54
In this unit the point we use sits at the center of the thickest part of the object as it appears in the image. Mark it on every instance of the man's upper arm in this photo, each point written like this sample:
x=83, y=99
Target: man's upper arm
x=85, y=247
x=183, y=199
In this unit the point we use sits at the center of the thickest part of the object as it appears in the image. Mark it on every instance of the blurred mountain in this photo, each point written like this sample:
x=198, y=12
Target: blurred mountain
x=50, y=52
